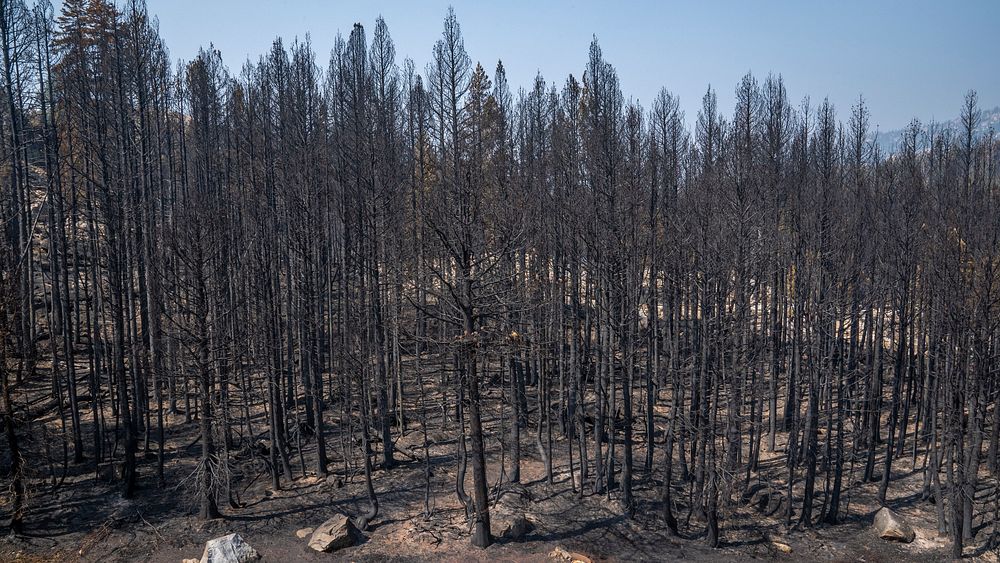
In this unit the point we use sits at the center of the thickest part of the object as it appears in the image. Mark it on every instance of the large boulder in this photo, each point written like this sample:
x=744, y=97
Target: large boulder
x=228, y=549
x=892, y=526
x=336, y=533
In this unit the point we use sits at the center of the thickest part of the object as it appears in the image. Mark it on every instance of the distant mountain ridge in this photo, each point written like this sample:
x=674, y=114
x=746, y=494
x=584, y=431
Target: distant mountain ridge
x=891, y=141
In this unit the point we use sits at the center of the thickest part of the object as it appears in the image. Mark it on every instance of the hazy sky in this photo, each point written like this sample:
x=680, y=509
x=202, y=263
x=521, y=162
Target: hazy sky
x=914, y=58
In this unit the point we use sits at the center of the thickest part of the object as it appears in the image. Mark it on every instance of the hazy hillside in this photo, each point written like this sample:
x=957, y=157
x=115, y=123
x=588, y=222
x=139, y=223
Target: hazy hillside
x=890, y=141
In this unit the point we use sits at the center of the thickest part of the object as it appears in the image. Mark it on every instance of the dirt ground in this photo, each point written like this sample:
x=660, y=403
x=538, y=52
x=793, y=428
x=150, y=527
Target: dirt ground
x=85, y=519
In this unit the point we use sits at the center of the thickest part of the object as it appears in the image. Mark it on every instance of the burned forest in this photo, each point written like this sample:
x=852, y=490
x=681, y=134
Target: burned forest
x=479, y=317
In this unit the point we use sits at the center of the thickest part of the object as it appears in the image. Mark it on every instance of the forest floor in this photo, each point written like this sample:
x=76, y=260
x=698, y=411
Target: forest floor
x=86, y=519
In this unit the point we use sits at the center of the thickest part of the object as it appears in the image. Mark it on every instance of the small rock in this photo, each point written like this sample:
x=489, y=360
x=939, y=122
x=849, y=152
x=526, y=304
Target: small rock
x=777, y=503
x=228, y=549
x=303, y=533
x=516, y=527
x=335, y=481
x=759, y=498
x=892, y=526
x=782, y=547
x=752, y=491
x=336, y=533
x=111, y=471
x=560, y=554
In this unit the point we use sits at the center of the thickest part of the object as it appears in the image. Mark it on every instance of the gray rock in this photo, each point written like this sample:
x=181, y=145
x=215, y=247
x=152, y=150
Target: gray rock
x=228, y=549
x=111, y=471
x=759, y=498
x=777, y=504
x=336, y=533
x=892, y=526
x=515, y=527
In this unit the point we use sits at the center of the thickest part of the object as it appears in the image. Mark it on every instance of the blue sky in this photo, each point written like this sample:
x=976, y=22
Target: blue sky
x=914, y=58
